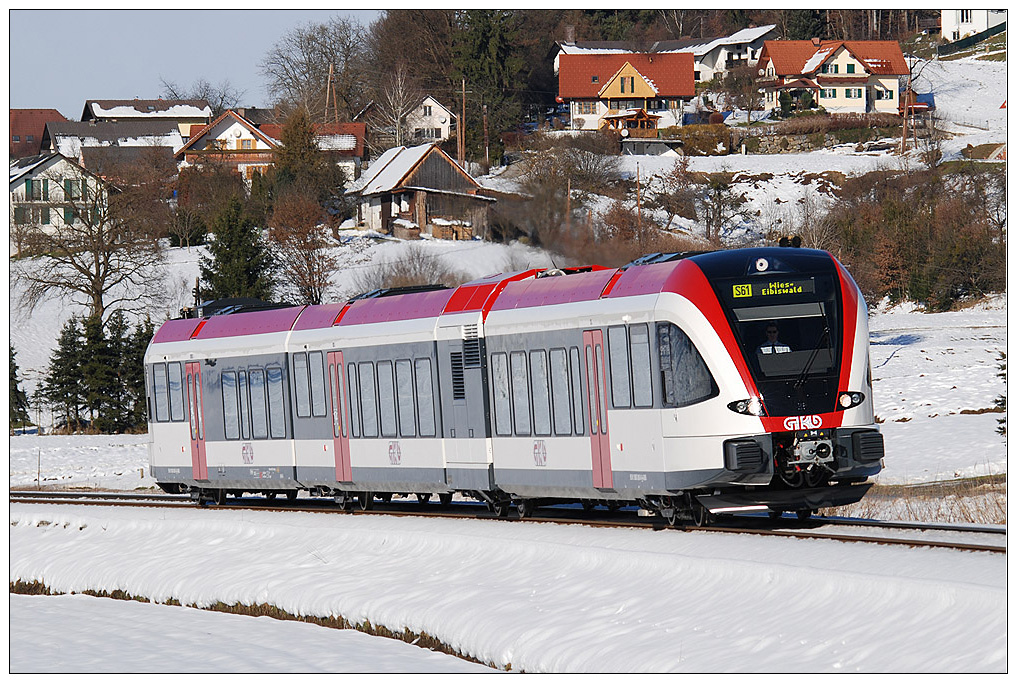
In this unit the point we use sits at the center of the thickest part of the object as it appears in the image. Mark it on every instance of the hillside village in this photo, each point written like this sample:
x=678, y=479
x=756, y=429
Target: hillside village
x=682, y=143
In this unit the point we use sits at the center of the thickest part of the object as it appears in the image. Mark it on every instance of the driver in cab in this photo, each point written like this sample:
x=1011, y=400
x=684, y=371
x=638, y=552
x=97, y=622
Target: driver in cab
x=773, y=343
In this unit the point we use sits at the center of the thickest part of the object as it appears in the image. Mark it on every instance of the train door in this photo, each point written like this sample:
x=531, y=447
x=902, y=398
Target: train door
x=340, y=421
x=196, y=416
x=596, y=402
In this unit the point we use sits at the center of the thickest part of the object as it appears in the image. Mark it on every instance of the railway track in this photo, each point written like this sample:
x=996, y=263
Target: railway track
x=977, y=538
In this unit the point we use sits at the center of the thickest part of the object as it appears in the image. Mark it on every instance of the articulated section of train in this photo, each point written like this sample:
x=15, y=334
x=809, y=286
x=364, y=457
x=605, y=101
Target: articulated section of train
x=722, y=382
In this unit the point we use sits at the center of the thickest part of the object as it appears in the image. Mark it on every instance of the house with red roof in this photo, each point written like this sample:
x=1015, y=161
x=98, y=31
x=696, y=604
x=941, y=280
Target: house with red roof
x=844, y=76
x=250, y=149
x=27, y=128
x=635, y=93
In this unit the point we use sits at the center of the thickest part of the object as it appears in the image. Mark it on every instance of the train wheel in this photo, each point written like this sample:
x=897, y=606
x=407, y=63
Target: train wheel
x=344, y=500
x=670, y=515
x=499, y=508
x=291, y=495
x=774, y=515
x=270, y=495
x=444, y=499
x=365, y=499
x=217, y=496
x=803, y=515
x=700, y=515
x=525, y=507
x=588, y=505
x=423, y=498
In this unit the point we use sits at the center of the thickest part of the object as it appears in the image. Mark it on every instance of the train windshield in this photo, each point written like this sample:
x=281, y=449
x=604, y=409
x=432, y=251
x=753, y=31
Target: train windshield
x=788, y=331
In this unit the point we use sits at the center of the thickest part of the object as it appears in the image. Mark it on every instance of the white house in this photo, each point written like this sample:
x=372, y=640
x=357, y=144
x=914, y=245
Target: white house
x=713, y=56
x=431, y=121
x=48, y=192
x=960, y=23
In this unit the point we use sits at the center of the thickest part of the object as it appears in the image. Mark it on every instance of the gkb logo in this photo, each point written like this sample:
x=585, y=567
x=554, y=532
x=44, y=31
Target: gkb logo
x=803, y=422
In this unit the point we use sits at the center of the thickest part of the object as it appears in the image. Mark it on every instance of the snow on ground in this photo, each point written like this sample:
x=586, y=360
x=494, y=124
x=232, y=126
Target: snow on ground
x=126, y=636
x=536, y=597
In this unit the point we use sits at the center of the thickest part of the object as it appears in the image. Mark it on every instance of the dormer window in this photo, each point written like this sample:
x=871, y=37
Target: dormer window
x=594, y=79
x=427, y=110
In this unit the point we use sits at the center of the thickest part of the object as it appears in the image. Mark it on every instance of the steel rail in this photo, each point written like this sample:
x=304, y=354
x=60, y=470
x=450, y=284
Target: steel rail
x=477, y=511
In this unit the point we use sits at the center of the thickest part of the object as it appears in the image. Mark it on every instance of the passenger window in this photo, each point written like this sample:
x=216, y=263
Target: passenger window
x=386, y=398
x=642, y=389
x=404, y=394
x=230, y=414
x=317, y=370
x=685, y=379
x=176, y=392
x=560, y=400
x=368, y=399
x=245, y=413
x=577, y=390
x=520, y=393
x=301, y=385
x=161, y=392
x=259, y=415
x=541, y=394
x=500, y=387
x=276, y=403
x=619, y=359
x=425, y=397
x=354, y=394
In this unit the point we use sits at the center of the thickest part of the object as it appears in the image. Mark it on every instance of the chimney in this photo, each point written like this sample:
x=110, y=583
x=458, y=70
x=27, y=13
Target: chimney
x=570, y=35
x=815, y=41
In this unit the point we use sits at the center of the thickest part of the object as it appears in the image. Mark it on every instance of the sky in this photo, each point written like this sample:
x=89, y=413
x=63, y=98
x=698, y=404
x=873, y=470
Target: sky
x=123, y=54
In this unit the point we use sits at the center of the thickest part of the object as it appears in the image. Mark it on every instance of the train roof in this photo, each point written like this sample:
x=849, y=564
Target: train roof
x=651, y=274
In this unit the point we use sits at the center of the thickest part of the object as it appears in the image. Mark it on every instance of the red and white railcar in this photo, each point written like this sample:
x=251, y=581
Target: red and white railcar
x=724, y=381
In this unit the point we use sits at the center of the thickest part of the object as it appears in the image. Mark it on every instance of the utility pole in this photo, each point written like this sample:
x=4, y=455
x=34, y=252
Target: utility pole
x=487, y=148
x=462, y=129
x=639, y=210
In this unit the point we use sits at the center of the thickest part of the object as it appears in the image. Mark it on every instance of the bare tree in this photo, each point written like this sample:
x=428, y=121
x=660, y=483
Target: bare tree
x=396, y=99
x=219, y=97
x=677, y=191
x=303, y=246
x=94, y=247
x=298, y=72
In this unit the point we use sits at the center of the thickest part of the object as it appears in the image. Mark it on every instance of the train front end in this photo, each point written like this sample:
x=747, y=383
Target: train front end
x=794, y=323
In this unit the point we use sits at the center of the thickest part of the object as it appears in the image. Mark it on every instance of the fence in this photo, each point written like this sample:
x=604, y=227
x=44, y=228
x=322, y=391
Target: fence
x=965, y=43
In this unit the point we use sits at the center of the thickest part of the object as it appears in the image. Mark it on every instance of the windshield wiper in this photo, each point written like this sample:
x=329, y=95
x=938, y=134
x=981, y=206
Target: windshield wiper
x=812, y=357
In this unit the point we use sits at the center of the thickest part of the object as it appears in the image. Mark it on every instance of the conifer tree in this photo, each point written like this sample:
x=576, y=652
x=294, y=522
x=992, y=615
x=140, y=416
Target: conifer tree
x=240, y=263
x=18, y=407
x=133, y=373
x=98, y=375
x=63, y=386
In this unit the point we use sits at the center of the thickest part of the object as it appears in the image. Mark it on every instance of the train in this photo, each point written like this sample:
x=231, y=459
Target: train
x=691, y=385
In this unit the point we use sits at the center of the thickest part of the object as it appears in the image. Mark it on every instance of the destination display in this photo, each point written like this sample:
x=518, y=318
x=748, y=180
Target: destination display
x=758, y=290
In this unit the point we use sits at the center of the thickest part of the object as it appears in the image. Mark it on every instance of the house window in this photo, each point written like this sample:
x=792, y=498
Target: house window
x=829, y=69
x=587, y=108
x=427, y=110
x=882, y=94
x=853, y=93
x=245, y=144
x=965, y=16
x=16, y=138
x=698, y=75
x=29, y=138
x=827, y=93
x=850, y=68
x=594, y=79
x=72, y=189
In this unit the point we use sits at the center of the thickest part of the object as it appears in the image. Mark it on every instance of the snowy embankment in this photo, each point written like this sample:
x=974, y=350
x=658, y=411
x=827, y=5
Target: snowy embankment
x=539, y=597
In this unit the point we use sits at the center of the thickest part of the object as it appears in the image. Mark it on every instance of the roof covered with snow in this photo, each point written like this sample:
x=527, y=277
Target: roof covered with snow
x=389, y=170
x=172, y=109
x=792, y=57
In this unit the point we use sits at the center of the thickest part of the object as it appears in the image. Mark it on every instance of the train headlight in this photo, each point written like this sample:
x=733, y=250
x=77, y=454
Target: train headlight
x=747, y=406
x=849, y=399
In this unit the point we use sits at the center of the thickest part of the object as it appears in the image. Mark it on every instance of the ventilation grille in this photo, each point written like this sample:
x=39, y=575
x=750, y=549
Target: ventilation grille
x=471, y=347
x=458, y=379
x=868, y=446
x=743, y=456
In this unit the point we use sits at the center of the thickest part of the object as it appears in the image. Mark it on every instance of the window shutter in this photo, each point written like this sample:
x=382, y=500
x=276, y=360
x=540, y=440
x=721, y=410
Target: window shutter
x=45, y=211
x=68, y=216
x=28, y=190
x=45, y=191
x=67, y=188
